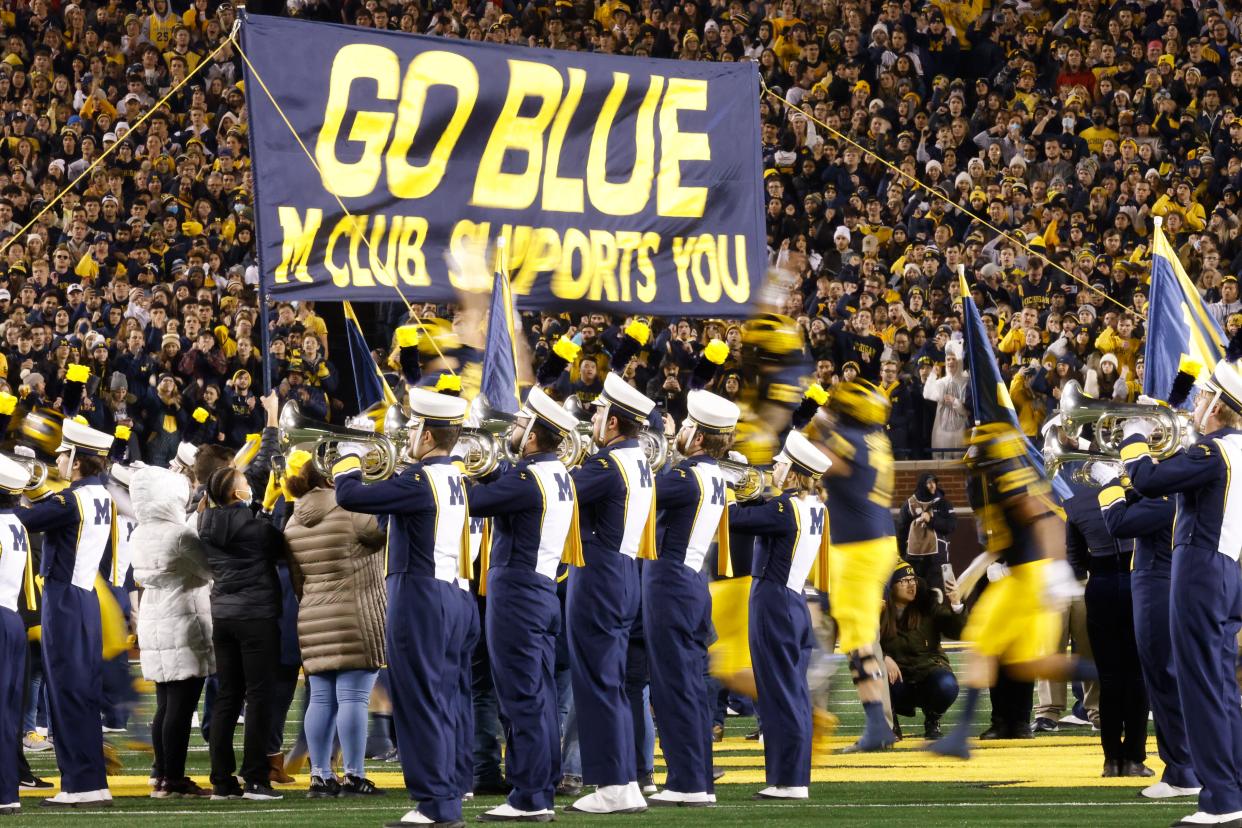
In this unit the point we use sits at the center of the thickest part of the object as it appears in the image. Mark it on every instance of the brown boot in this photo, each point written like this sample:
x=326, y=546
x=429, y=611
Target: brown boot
x=278, y=775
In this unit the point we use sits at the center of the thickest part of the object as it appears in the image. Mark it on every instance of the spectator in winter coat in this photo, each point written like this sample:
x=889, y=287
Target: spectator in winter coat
x=923, y=530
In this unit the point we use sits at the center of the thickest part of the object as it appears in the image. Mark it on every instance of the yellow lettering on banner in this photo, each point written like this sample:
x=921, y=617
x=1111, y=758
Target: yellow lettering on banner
x=297, y=239
x=630, y=197
x=357, y=61
x=434, y=68
x=737, y=289
x=411, y=262
x=361, y=275
x=681, y=258
x=603, y=266
x=676, y=146
x=707, y=285
x=564, y=284
x=543, y=254
x=646, y=292
x=563, y=194
x=339, y=273
x=519, y=134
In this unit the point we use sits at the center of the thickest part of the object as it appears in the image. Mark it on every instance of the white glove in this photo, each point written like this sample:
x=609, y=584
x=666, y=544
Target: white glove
x=1104, y=473
x=1146, y=400
x=1061, y=586
x=997, y=571
x=1141, y=426
x=361, y=422
x=350, y=450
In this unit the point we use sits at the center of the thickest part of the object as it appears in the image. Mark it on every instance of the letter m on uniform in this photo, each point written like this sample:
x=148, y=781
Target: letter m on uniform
x=817, y=521
x=564, y=487
x=103, y=511
x=457, y=491
x=19, y=538
x=718, y=491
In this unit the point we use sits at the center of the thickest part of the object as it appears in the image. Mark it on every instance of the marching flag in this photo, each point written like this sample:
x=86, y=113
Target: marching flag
x=499, y=385
x=1177, y=323
x=373, y=393
x=989, y=394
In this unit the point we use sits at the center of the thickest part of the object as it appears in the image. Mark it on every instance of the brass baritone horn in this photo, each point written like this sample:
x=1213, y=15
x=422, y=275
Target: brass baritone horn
x=36, y=468
x=1108, y=420
x=323, y=439
x=748, y=483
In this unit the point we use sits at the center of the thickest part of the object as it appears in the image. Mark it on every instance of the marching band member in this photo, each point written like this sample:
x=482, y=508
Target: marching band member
x=676, y=604
x=533, y=512
x=1206, y=586
x=864, y=548
x=616, y=497
x=1149, y=521
x=427, y=627
x=16, y=588
x=790, y=533
x=77, y=538
x=1017, y=621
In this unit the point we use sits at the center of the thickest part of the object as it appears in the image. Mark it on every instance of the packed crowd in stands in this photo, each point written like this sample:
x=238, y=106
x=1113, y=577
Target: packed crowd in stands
x=1052, y=135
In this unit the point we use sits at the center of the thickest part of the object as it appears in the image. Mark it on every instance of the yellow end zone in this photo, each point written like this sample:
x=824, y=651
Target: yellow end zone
x=1049, y=762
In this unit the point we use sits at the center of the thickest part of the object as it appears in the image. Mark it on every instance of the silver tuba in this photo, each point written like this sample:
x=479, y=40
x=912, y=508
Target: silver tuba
x=379, y=460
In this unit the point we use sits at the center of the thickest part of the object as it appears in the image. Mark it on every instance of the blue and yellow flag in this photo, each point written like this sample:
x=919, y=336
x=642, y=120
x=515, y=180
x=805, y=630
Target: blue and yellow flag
x=989, y=394
x=373, y=393
x=499, y=385
x=1177, y=323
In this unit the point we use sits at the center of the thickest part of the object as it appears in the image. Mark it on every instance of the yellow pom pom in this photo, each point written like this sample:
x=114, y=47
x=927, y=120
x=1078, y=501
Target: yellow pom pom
x=407, y=336
x=816, y=392
x=77, y=373
x=716, y=352
x=191, y=228
x=1189, y=365
x=122, y=432
x=200, y=415
x=638, y=331
x=448, y=382
x=8, y=403
x=297, y=461
x=566, y=349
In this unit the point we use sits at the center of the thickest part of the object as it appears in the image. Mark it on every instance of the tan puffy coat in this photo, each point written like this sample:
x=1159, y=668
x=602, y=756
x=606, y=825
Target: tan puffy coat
x=338, y=573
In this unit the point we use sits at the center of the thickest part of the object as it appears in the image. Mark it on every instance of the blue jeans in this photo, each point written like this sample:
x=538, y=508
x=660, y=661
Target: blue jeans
x=338, y=704
x=934, y=694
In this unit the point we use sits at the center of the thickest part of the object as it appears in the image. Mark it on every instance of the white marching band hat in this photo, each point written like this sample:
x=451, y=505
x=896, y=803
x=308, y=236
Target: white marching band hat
x=548, y=411
x=624, y=400
x=711, y=413
x=122, y=474
x=803, y=455
x=14, y=477
x=75, y=436
x=436, y=409
x=1226, y=382
x=186, y=454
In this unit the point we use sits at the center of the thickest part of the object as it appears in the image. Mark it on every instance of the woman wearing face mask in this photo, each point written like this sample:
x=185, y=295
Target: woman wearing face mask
x=242, y=551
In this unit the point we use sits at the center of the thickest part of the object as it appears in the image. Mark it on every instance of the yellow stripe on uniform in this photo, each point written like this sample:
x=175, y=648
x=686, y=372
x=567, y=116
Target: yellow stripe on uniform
x=1111, y=495
x=1133, y=451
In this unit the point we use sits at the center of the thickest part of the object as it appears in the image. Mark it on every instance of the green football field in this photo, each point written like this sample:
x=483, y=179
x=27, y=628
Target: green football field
x=1051, y=780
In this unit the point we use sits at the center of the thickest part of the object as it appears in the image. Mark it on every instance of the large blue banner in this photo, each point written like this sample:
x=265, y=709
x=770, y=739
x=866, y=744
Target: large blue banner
x=620, y=182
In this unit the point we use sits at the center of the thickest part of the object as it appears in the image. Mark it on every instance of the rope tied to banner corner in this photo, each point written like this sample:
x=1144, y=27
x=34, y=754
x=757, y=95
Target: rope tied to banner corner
x=934, y=193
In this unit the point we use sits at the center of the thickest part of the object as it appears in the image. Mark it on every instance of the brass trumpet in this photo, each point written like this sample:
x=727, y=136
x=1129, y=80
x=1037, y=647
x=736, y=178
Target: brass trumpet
x=322, y=440
x=1108, y=419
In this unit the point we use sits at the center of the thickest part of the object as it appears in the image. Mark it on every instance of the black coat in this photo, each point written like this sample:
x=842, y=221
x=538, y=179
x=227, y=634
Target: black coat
x=242, y=551
x=942, y=520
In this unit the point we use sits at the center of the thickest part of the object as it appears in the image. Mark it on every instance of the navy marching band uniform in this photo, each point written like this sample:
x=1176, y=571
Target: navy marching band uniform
x=77, y=542
x=532, y=508
x=427, y=624
x=615, y=499
x=1205, y=592
x=677, y=607
x=1107, y=559
x=790, y=532
x=1149, y=521
x=16, y=588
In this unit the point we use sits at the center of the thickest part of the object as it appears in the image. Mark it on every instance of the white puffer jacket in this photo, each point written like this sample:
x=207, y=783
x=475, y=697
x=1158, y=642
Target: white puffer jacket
x=174, y=613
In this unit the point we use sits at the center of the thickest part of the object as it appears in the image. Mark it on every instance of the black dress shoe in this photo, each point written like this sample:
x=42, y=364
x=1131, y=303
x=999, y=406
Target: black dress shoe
x=1111, y=768
x=1020, y=731
x=1135, y=769
x=494, y=787
x=992, y=732
x=931, y=728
